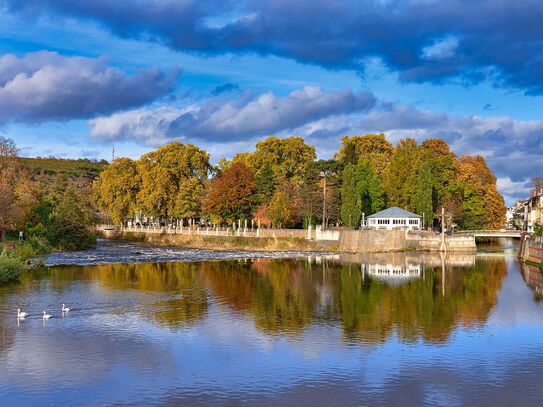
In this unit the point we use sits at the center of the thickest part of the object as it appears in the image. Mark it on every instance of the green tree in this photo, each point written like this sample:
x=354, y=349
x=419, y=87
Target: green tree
x=350, y=197
x=69, y=221
x=266, y=183
x=369, y=189
x=401, y=175
x=422, y=198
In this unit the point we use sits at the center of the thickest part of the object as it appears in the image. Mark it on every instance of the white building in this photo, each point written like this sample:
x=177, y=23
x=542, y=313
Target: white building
x=394, y=218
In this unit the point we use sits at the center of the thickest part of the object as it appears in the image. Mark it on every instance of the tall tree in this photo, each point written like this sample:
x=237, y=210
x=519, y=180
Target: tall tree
x=351, y=201
x=266, y=183
x=369, y=190
x=288, y=157
x=422, y=198
x=483, y=206
x=117, y=189
x=444, y=168
x=401, y=175
x=372, y=147
x=173, y=179
x=8, y=175
x=231, y=195
x=280, y=210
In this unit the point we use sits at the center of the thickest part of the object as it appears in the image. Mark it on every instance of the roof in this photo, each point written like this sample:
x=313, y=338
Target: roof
x=394, y=212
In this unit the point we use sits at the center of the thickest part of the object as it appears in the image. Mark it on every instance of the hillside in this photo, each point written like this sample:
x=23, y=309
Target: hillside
x=71, y=168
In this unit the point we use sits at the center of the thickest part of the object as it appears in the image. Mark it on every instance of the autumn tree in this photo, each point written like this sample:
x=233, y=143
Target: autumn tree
x=483, y=206
x=117, y=189
x=443, y=168
x=231, y=195
x=172, y=180
x=288, y=157
x=8, y=176
x=280, y=209
x=374, y=148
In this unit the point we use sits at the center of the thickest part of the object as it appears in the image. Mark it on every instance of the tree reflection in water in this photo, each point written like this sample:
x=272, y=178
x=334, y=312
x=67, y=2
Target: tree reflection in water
x=286, y=296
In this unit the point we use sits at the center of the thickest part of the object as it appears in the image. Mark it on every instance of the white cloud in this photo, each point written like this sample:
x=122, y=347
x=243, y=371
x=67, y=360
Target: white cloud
x=43, y=86
x=442, y=49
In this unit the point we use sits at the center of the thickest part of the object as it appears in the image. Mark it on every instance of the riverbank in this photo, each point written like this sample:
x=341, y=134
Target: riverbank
x=16, y=257
x=345, y=241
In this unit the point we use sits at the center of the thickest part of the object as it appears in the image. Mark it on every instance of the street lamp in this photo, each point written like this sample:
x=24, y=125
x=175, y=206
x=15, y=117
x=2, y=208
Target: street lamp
x=324, y=174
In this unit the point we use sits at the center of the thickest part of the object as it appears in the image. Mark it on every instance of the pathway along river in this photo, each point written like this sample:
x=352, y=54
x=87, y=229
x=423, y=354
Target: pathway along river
x=403, y=329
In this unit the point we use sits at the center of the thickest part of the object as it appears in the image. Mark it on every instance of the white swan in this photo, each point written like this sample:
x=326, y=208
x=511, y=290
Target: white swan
x=21, y=315
x=65, y=308
x=46, y=315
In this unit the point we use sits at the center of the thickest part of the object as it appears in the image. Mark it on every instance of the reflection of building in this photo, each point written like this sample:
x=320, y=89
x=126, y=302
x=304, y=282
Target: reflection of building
x=394, y=218
x=391, y=271
x=533, y=278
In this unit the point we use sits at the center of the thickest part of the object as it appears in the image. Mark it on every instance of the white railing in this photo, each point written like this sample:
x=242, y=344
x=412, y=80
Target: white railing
x=310, y=233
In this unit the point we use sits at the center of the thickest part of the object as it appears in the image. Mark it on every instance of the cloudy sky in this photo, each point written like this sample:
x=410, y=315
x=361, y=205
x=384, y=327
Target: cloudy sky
x=74, y=75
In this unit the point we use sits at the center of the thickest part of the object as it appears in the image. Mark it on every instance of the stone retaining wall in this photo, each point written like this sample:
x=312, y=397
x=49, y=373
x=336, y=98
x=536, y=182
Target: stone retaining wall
x=361, y=241
x=531, y=249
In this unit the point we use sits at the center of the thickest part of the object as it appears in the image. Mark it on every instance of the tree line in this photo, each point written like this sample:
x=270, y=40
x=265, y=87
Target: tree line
x=283, y=184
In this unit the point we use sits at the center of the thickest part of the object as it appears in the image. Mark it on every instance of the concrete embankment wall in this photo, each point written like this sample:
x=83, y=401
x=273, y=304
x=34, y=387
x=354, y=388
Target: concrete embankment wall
x=361, y=241
x=222, y=242
x=345, y=241
x=531, y=249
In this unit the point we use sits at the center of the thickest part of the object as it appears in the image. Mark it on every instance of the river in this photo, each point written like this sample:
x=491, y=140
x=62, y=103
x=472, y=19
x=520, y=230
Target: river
x=175, y=327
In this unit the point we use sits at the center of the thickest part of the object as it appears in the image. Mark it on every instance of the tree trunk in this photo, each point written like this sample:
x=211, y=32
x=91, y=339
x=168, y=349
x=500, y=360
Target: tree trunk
x=2, y=235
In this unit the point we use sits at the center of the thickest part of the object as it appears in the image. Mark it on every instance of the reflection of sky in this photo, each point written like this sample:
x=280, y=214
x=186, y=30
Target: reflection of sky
x=110, y=354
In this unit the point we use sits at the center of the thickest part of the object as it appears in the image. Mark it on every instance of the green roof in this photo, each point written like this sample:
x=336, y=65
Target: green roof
x=394, y=212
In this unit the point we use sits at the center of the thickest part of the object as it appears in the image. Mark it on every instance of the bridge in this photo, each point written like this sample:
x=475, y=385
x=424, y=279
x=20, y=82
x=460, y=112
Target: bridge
x=516, y=234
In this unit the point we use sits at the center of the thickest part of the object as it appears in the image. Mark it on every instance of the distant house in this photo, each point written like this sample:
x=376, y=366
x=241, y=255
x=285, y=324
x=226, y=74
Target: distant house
x=534, y=209
x=394, y=218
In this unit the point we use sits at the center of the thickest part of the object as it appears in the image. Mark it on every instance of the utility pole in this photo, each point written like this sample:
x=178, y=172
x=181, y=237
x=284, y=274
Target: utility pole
x=443, y=247
x=323, y=174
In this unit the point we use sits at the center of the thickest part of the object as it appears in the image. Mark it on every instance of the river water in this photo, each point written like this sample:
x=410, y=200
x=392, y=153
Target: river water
x=396, y=329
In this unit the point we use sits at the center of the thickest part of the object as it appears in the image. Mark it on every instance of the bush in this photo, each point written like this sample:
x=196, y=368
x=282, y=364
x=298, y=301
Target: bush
x=538, y=229
x=10, y=268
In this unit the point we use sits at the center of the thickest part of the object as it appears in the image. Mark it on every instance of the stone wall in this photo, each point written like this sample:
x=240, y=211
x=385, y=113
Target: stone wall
x=363, y=241
x=531, y=249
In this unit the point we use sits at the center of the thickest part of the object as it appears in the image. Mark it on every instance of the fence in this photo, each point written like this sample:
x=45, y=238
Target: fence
x=310, y=233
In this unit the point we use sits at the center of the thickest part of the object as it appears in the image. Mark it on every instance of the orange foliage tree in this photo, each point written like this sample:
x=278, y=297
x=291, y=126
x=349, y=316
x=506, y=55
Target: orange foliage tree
x=231, y=194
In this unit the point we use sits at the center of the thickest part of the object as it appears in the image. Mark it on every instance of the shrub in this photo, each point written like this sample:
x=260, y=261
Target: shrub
x=10, y=268
x=538, y=229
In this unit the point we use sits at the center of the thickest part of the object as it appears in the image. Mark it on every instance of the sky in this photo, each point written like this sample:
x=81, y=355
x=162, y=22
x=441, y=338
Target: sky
x=77, y=77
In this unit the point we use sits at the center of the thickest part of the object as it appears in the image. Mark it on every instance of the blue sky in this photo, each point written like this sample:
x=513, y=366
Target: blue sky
x=223, y=74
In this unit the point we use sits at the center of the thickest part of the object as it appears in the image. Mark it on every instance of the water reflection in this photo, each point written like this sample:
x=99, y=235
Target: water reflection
x=346, y=329
x=419, y=296
x=533, y=278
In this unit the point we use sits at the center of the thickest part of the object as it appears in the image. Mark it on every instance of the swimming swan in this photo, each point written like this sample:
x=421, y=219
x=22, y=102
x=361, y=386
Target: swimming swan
x=21, y=315
x=46, y=315
x=65, y=308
